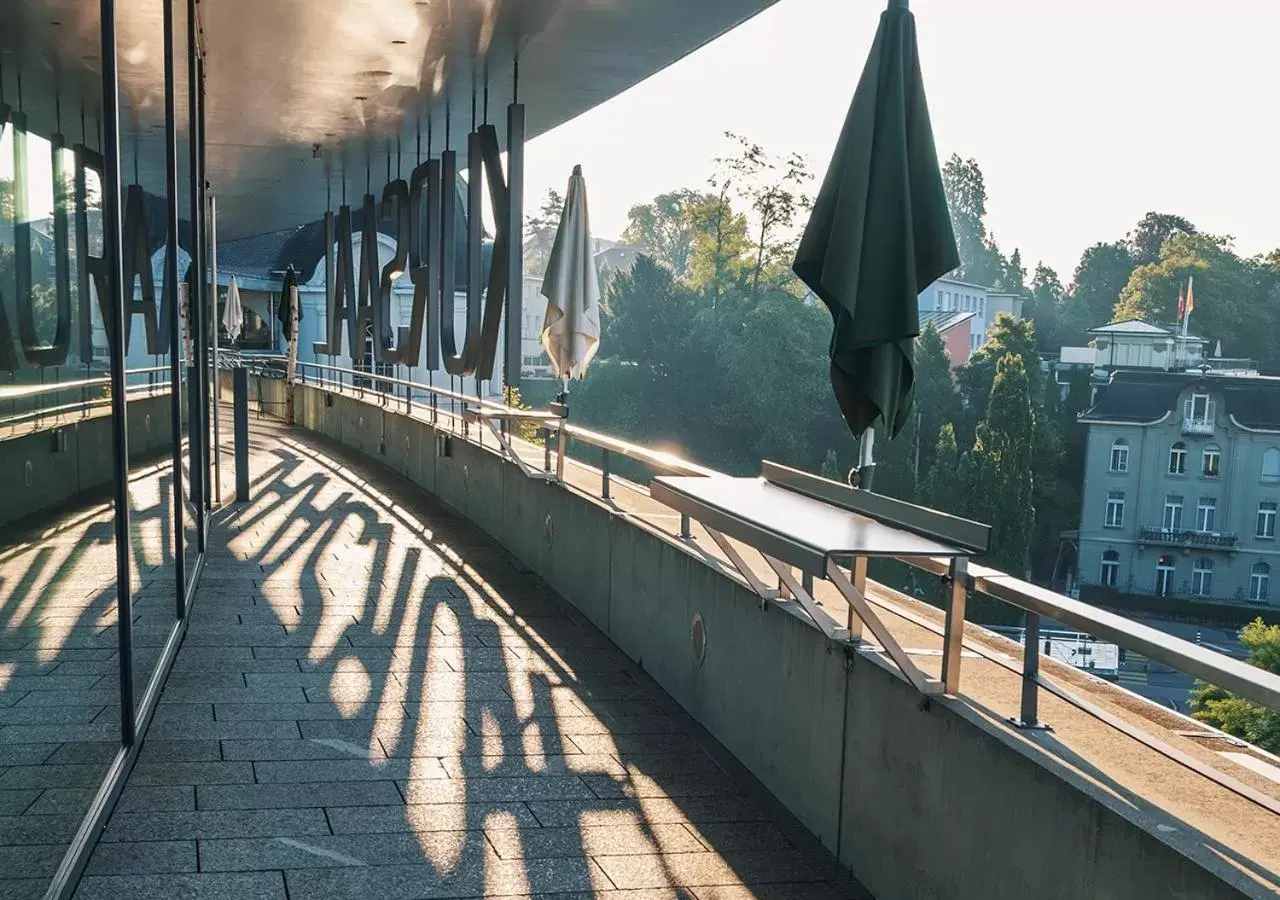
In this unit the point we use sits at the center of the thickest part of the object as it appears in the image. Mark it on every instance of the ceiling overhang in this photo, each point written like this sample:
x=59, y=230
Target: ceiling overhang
x=299, y=89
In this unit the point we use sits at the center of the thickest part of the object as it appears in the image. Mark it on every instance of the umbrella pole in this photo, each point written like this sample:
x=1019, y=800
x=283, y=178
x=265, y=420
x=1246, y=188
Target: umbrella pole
x=867, y=459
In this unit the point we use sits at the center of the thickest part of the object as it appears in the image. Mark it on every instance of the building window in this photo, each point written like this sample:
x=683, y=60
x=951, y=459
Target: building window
x=1202, y=578
x=1199, y=411
x=1172, y=512
x=1267, y=519
x=1206, y=513
x=1120, y=456
x=1271, y=465
x=1115, y=509
x=1260, y=582
x=1211, y=461
x=1110, y=568
x=1178, y=459
x=1164, y=576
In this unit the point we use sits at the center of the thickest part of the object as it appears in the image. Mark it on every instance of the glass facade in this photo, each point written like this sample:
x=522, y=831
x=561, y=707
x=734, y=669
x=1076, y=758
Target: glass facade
x=104, y=399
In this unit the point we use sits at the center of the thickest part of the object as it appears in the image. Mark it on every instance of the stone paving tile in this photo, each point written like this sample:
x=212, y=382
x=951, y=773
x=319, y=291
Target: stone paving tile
x=53, y=734
x=803, y=891
x=52, y=776
x=51, y=715
x=513, y=766
x=301, y=749
x=143, y=858
x=241, y=694
x=500, y=790
x=290, y=796
x=675, y=786
x=423, y=882
x=328, y=851
x=15, y=802
x=99, y=696
x=23, y=888
x=81, y=753
x=211, y=886
x=218, y=730
x=264, y=712
x=347, y=770
x=26, y=754
x=426, y=817
x=30, y=861
x=37, y=829
x=656, y=811
x=165, y=772
x=592, y=840
x=693, y=869
x=156, y=751
x=211, y=824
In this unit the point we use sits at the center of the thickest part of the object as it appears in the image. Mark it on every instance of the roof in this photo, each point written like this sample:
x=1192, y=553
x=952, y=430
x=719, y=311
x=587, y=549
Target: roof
x=1132, y=326
x=959, y=283
x=1142, y=396
x=943, y=320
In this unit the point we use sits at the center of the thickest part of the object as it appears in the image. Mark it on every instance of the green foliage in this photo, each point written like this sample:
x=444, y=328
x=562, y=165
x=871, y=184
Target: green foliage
x=1005, y=336
x=1103, y=272
x=527, y=431
x=1235, y=715
x=665, y=228
x=1236, y=298
x=980, y=260
x=540, y=233
x=1152, y=232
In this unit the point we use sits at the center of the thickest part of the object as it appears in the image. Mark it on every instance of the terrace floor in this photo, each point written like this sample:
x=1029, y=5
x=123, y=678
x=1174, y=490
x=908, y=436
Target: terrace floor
x=373, y=700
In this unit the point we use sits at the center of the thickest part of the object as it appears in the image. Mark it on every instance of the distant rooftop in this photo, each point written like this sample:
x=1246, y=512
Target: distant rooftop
x=1144, y=396
x=943, y=320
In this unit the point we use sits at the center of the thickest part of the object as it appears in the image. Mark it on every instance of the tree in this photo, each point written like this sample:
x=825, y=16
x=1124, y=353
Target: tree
x=1005, y=336
x=939, y=489
x=540, y=233
x=1000, y=473
x=1231, y=297
x=937, y=403
x=774, y=192
x=1101, y=275
x=665, y=228
x=1150, y=234
x=980, y=261
x=1236, y=716
x=1045, y=308
x=1014, y=279
x=650, y=316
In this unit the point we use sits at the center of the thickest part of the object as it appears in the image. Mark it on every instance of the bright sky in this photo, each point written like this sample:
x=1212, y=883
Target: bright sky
x=1083, y=114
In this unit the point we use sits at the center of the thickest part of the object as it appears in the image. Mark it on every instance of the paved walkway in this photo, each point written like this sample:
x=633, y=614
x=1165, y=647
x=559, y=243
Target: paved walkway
x=374, y=701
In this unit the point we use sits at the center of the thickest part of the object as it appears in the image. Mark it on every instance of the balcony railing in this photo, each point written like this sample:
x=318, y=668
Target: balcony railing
x=1197, y=425
x=1183, y=537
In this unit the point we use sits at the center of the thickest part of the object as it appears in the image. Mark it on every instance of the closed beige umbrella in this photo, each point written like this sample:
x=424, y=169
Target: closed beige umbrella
x=571, y=330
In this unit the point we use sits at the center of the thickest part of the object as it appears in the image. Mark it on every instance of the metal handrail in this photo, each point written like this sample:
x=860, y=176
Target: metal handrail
x=23, y=391
x=1216, y=668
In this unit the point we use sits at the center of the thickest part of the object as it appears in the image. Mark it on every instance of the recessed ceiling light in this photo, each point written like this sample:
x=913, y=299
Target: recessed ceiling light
x=360, y=98
x=398, y=41
x=55, y=22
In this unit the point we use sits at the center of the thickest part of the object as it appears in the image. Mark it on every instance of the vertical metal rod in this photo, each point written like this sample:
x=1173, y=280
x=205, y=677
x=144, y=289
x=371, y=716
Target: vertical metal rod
x=213, y=337
x=206, y=444
x=858, y=578
x=604, y=476
x=111, y=229
x=195, y=433
x=240, y=426
x=561, y=441
x=513, y=327
x=171, y=288
x=546, y=450
x=954, y=625
x=686, y=526
x=1030, y=671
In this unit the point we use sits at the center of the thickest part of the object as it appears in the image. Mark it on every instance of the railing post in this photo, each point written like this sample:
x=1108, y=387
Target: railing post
x=561, y=440
x=1029, y=714
x=546, y=450
x=953, y=635
x=604, y=476
x=686, y=527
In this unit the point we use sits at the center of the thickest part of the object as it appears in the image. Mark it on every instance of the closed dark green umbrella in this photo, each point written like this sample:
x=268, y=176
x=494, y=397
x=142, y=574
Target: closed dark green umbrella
x=285, y=311
x=880, y=231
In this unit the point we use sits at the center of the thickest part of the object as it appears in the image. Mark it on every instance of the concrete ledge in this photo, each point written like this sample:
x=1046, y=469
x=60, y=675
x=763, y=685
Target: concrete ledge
x=919, y=800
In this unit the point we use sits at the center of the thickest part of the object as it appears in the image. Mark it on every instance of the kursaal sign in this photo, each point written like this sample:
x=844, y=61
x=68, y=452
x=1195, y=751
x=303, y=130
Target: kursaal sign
x=358, y=298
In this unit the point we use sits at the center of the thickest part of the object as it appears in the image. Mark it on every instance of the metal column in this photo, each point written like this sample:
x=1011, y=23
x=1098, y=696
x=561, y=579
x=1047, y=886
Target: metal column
x=195, y=431
x=171, y=297
x=213, y=338
x=240, y=418
x=111, y=228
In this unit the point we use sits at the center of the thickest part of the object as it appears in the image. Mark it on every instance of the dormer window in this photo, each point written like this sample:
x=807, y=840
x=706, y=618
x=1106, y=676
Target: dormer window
x=1198, y=414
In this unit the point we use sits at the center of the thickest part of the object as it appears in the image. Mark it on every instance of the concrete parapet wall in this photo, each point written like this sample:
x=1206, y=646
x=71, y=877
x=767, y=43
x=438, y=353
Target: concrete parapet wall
x=37, y=473
x=920, y=801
